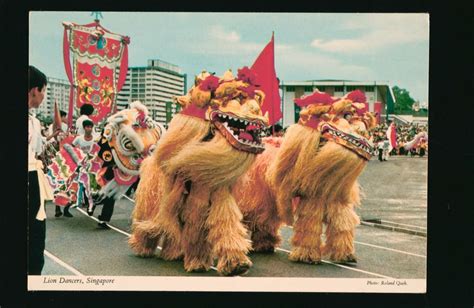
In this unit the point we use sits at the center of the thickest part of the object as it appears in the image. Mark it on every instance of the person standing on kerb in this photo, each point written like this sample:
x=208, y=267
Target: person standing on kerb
x=38, y=188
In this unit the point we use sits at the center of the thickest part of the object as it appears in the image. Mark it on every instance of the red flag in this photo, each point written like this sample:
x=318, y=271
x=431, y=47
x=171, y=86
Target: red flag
x=392, y=136
x=264, y=68
x=57, y=118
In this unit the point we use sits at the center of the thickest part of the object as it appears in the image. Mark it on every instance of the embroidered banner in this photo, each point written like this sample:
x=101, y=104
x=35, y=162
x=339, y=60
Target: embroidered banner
x=99, y=67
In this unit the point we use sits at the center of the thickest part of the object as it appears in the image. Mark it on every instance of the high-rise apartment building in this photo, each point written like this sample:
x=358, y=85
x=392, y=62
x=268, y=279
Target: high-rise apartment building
x=154, y=85
x=56, y=90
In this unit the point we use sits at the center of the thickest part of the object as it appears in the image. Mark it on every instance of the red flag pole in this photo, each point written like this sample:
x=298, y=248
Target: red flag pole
x=264, y=68
x=271, y=95
x=57, y=117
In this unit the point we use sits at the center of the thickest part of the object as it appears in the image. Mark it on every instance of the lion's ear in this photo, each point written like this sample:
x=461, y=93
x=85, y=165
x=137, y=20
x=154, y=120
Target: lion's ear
x=359, y=105
x=325, y=117
x=340, y=106
x=183, y=100
x=259, y=96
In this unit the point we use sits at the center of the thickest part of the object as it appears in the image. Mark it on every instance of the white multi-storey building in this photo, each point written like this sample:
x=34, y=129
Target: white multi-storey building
x=154, y=85
x=56, y=90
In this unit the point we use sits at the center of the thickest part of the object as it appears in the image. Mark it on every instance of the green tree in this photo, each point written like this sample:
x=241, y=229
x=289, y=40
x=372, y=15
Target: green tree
x=46, y=120
x=403, y=100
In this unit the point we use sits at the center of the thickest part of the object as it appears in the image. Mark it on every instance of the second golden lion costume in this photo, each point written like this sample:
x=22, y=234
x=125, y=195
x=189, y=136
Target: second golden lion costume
x=310, y=180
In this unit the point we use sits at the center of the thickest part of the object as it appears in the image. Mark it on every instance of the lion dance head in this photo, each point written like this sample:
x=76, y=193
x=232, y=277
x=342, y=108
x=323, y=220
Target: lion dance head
x=218, y=132
x=128, y=137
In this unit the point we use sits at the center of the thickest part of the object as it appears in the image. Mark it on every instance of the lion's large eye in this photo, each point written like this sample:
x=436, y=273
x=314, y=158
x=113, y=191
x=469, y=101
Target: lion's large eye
x=127, y=144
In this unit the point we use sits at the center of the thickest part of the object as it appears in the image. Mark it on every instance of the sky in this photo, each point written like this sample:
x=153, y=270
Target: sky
x=352, y=46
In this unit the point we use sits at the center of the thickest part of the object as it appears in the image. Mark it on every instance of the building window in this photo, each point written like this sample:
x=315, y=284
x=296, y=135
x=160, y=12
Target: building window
x=290, y=89
x=339, y=89
x=321, y=88
x=308, y=89
x=369, y=88
x=351, y=88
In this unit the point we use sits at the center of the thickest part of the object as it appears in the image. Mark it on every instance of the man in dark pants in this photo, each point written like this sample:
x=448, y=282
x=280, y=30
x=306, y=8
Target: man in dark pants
x=106, y=213
x=37, y=228
x=380, y=150
x=36, y=212
x=107, y=202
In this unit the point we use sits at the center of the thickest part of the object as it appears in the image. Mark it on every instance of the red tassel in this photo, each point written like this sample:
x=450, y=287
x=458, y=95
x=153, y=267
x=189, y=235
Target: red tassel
x=357, y=96
x=315, y=98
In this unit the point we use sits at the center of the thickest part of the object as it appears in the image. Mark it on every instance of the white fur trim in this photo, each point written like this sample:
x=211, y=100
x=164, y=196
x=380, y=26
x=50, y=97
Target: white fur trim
x=113, y=189
x=139, y=106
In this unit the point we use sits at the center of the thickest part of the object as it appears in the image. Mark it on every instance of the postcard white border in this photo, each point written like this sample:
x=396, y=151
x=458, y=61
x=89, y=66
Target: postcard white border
x=224, y=284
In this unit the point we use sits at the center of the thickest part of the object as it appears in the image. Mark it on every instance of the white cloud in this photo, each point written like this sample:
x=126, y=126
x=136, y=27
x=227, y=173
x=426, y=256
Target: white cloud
x=220, y=34
x=223, y=42
x=345, y=45
x=379, y=31
x=292, y=61
x=296, y=63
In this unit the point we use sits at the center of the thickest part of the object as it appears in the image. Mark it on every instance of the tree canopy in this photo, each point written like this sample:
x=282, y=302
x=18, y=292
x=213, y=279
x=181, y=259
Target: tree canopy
x=403, y=100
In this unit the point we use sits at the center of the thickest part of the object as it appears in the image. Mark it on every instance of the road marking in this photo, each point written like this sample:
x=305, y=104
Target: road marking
x=385, y=248
x=397, y=223
x=111, y=227
x=391, y=249
x=127, y=197
x=119, y=230
x=418, y=233
x=346, y=267
x=62, y=263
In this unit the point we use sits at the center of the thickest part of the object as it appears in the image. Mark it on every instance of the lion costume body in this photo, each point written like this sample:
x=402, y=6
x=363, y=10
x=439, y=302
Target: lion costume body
x=184, y=196
x=311, y=180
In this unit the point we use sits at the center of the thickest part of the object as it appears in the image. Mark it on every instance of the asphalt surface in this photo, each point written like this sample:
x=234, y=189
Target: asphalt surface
x=395, y=192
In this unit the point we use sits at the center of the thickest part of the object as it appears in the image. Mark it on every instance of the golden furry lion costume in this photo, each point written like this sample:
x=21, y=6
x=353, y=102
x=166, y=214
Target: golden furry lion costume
x=184, y=198
x=310, y=180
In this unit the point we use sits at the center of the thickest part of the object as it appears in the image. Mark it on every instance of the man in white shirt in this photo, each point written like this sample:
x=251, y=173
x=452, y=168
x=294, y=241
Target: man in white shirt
x=380, y=150
x=37, y=189
x=386, y=149
x=86, y=140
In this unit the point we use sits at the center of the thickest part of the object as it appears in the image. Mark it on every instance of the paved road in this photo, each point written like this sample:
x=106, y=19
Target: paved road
x=395, y=191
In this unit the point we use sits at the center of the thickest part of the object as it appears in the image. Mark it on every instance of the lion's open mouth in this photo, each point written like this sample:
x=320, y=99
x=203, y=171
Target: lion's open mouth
x=360, y=145
x=241, y=133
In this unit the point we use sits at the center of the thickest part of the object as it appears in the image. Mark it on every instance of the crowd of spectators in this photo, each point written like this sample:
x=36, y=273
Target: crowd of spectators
x=405, y=134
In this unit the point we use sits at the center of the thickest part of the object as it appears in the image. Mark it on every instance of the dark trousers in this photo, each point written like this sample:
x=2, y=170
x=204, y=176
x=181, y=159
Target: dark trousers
x=36, y=228
x=380, y=154
x=107, y=209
